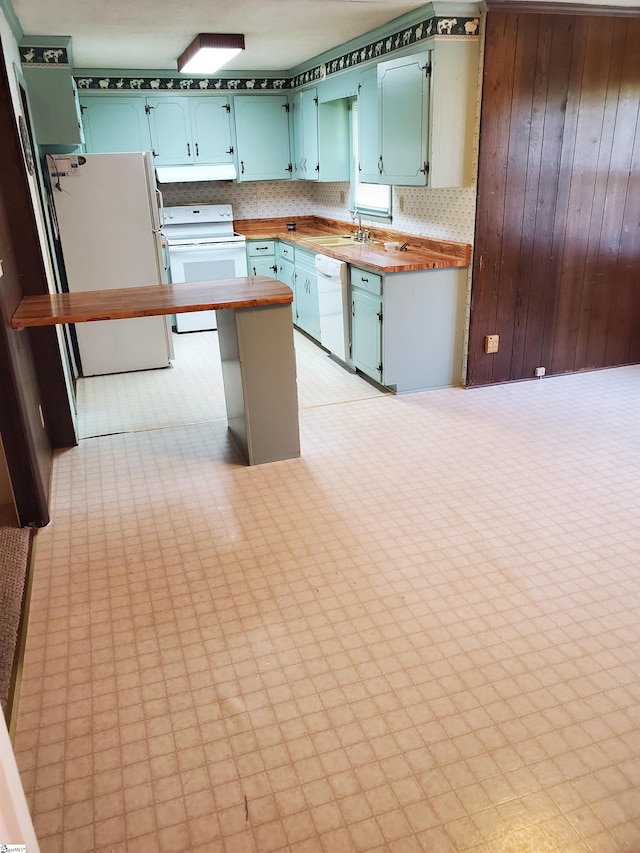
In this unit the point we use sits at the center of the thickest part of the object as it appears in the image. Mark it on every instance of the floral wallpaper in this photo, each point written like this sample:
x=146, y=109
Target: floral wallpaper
x=447, y=214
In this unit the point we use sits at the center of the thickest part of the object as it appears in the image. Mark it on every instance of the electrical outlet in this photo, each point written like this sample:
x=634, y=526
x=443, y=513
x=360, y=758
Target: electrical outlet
x=540, y=372
x=491, y=343
x=401, y=203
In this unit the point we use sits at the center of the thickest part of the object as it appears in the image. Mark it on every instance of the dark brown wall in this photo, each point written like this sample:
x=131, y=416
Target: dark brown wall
x=31, y=370
x=557, y=251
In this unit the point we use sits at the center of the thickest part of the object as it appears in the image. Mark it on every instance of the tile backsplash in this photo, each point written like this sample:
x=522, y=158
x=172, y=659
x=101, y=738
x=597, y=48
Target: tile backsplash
x=442, y=213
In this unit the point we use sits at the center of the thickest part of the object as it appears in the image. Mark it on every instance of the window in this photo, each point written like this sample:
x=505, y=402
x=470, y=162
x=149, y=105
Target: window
x=369, y=199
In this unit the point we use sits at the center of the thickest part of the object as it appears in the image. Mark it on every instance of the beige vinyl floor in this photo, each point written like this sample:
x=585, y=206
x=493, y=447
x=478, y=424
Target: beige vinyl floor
x=422, y=635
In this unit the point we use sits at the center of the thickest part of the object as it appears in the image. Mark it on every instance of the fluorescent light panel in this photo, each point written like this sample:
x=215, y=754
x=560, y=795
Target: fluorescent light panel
x=210, y=51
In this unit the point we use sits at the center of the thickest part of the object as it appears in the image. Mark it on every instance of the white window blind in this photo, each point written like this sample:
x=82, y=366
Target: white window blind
x=367, y=198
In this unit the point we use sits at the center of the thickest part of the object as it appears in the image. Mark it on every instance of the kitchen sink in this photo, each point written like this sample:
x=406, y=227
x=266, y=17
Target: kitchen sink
x=336, y=240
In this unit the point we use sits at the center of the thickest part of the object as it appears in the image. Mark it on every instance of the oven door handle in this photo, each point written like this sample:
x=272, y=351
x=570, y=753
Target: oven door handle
x=205, y=247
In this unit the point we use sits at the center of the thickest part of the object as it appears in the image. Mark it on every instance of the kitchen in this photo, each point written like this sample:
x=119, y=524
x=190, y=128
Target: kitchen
x=451, y=76
x=113, y=120
x=285, y=213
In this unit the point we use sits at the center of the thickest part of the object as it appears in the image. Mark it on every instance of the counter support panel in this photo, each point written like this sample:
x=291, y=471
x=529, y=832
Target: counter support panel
x=259, y=375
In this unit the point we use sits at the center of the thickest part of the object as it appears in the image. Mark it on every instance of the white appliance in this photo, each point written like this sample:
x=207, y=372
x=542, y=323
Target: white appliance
x=106, y=207
x=202, y=247
x=333, y=302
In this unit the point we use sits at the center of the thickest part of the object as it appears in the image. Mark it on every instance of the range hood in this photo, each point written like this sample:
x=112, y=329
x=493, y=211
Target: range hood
x=213, y=172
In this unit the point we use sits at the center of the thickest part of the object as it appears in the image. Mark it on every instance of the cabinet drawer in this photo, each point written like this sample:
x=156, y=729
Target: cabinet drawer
x=257, y=249
x=365, y=280
x=286, y=250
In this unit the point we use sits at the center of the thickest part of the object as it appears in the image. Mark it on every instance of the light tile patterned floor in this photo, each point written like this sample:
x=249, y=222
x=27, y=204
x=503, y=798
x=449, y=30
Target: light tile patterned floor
x=191, y=390
x=423, y=635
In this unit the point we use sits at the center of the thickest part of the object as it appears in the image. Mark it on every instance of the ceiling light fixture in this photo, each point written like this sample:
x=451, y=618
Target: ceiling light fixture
x=210, y=51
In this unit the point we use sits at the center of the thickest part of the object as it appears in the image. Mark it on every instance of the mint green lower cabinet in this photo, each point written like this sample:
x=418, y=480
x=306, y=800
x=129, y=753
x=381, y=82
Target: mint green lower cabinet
x=366, y=333
x=307, y=307
x=407, y=328
x=262, y=137
x=261, y=258
x=287, y=270
x=114, y=124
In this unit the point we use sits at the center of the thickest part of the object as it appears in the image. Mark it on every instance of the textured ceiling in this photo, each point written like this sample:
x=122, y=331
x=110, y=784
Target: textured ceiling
x=279, y=34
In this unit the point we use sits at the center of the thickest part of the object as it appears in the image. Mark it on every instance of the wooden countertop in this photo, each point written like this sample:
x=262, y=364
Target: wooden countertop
x=422, y=253
x=245, y=292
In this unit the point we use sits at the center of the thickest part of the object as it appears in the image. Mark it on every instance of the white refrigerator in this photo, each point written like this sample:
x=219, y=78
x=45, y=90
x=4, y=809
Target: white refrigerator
x=107, y=213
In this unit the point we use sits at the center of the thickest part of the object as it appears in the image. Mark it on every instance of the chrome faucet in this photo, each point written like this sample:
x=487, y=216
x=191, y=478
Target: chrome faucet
x=358, y=233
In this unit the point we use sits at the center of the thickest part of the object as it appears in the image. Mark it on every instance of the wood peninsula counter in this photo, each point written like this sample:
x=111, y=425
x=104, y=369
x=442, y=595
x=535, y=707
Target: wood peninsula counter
x=255, y=332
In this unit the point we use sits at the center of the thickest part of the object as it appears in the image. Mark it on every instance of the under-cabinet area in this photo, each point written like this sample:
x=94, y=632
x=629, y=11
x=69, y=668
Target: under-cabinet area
x=405, y=310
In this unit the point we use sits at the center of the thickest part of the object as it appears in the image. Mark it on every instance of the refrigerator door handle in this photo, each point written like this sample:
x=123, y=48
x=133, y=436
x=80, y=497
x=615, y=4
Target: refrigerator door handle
x=160, y=206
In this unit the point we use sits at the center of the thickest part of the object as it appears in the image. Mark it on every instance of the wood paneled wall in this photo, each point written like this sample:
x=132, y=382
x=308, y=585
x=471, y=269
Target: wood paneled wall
x=557, y=252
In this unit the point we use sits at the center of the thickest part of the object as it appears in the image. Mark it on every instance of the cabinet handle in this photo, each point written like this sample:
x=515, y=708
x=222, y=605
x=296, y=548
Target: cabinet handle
x=188, y=149
x=261, y=248
x=242, y=167
x=254, y=271
x=197, y=152
x=362, y=278
x=380, y=164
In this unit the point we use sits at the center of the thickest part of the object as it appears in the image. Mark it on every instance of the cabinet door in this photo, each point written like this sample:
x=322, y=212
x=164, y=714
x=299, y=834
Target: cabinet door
x=55, y=110
x=308, y=309
x=305, y=134
x=368, y=127
x=262, y=135
x=404, y=117
x=286, y=273
x=170, y=128
x=263, y=266
x=114, y=124
x=211, y=129
x=366, y=333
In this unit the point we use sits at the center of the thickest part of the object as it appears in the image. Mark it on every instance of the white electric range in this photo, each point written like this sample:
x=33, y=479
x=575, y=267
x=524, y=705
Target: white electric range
x=202, y=246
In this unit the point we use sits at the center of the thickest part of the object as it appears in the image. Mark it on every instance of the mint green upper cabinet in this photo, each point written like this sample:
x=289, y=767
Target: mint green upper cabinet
x=320, y=137
x=306, y=165
x=262, y=137
x=186, y=130
x=211, y=129
x=170, y=130
x=334, y=146
x=53, y=99
x=404, y=115
x=368, y=126
x=427, y=104
x=114, y=124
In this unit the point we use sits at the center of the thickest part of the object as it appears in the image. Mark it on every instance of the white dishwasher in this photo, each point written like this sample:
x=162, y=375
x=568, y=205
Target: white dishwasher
x=333, y=302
